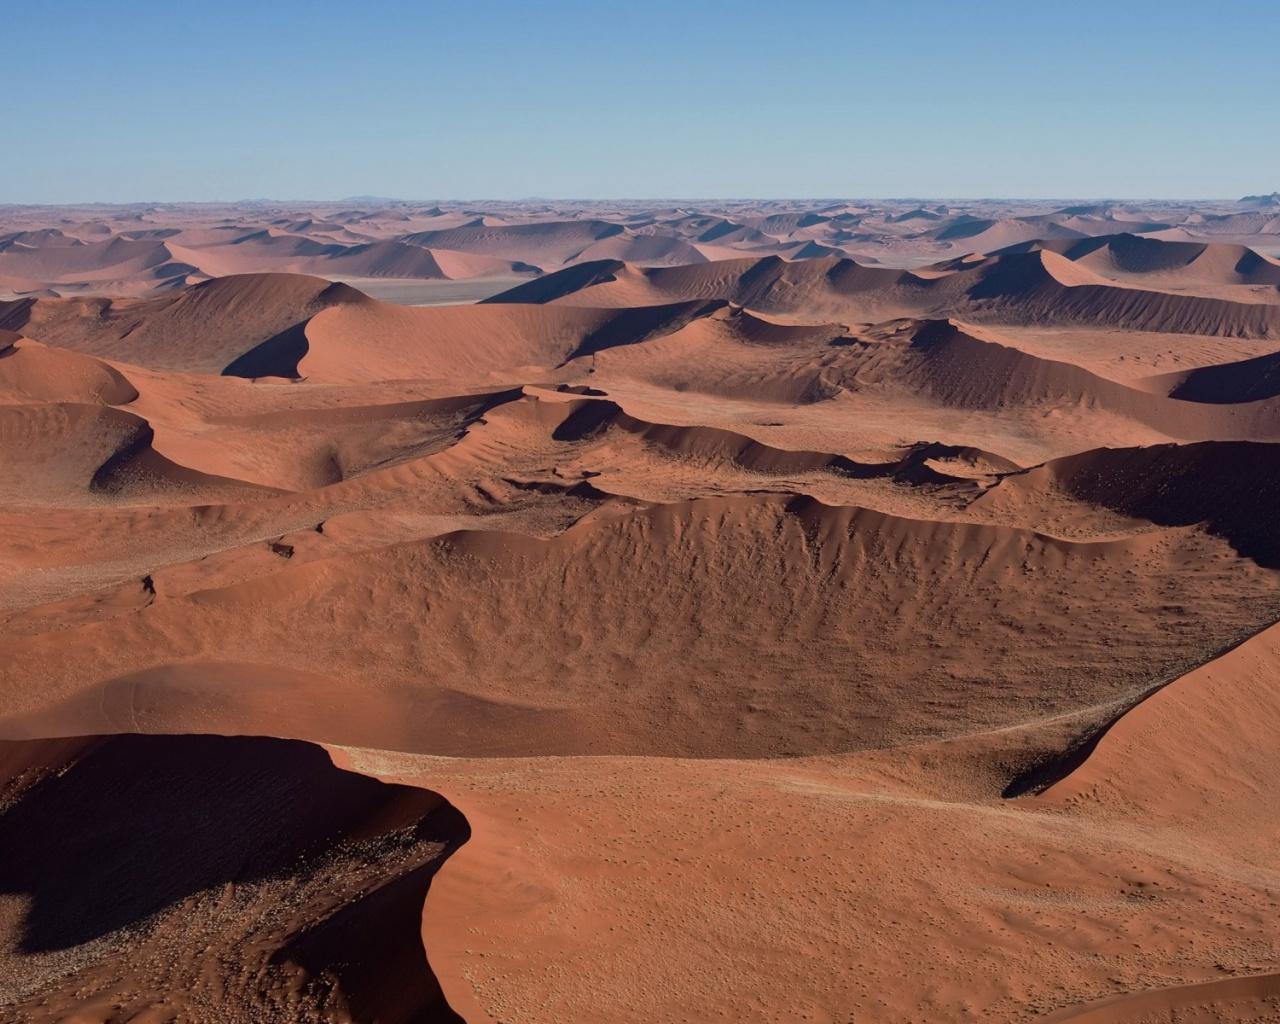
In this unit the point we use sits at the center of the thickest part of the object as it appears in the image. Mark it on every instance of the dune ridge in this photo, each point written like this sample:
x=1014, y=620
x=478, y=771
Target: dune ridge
x=1013, y=287
x=148, y=249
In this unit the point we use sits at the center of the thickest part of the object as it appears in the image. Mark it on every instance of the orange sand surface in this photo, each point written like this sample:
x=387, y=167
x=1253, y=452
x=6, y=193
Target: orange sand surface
x=752, y=613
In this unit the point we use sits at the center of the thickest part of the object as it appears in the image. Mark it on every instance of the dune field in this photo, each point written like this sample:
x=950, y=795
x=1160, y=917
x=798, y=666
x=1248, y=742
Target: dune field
x=628, y=613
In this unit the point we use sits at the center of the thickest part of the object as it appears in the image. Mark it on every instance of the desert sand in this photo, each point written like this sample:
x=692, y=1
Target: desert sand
x=831, y=612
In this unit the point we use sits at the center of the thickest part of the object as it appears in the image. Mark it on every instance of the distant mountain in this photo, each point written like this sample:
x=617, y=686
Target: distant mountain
x=1266, y=200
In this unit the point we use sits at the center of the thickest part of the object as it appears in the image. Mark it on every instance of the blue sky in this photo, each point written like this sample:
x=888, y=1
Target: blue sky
x=128, y=101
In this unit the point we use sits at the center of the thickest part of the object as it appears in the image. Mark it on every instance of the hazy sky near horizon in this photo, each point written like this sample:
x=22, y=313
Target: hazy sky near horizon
x=130, y=101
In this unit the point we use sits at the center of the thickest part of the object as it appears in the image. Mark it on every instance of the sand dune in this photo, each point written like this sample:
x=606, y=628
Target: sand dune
x=31, y=372
x=1248, y=380
x=1239, y=1000
x=451, y=343
x=202, y=328
x=148, y=249
x=1228, y=486
x=1195, y=749
x=540, y=245
x=833, y=576
x=306, y=887
x=64, y=452
x=801, y=611
x=981, y=235
x=967, y=371
x=593, y=418
x=1034, y=287
x=1204, y=263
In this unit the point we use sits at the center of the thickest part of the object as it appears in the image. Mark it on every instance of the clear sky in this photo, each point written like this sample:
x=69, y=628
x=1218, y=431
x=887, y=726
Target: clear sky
x=117, y=100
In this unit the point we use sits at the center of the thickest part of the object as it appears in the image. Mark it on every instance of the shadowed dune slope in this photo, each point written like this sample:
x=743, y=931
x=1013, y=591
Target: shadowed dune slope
x=378, y=341
x=1229, y=487
x=201, y=329
x=134, y=863
x=1178, y=262
x=1248, y=380
x=967, y=371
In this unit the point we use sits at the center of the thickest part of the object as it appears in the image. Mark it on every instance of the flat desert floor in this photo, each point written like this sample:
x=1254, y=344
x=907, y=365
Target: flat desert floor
x=618, y=613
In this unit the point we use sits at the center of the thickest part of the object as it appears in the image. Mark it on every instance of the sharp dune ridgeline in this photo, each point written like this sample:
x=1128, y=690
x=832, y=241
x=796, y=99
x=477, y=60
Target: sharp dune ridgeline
x=639, y=612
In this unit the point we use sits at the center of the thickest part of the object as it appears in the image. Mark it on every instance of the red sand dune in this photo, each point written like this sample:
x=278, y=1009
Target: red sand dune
x=760, y=612
x=138, y=250
x=202, y=329
x=305, y=887
x=1015, y=288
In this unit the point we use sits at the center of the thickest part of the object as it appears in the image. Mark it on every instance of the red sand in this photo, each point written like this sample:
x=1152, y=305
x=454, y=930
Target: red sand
x=742, y=628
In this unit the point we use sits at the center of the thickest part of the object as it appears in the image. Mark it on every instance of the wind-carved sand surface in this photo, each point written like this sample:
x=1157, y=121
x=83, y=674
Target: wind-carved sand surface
x=755, y=612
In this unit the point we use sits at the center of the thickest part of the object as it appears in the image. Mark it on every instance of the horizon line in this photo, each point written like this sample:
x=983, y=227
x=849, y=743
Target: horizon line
x=525, y=200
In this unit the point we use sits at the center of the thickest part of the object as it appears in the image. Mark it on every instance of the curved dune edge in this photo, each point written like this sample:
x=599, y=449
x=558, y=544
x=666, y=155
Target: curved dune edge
x=1200, y=745
x=964, y=370
x=1211, y=996
x=1229, y=487
x=1127, y=253
x=585, y=876
x=32, y=372
x=481, y=861
x=308, y=901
